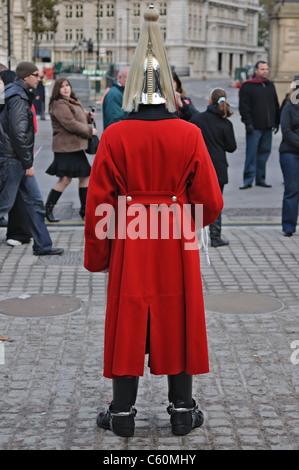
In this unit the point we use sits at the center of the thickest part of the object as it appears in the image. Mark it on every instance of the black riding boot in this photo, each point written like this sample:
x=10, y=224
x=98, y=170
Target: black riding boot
x=184, y=413
x=119, y=417
x=82, y=197
x=215, y=233
x=49, y=206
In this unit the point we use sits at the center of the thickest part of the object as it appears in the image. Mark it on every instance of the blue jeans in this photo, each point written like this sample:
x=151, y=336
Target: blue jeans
x=258, y=149
x=15, y=181
x=289, y=163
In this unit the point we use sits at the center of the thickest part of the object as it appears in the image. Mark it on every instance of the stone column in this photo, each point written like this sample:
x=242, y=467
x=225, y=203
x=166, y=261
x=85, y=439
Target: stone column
x=284, y=45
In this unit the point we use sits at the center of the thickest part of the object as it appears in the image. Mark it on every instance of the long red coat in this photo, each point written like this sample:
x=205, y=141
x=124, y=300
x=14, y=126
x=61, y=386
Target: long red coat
x=154, y=288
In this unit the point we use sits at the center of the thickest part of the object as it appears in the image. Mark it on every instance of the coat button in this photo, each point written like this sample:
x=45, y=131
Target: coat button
x=174, y=198
x=129, y=198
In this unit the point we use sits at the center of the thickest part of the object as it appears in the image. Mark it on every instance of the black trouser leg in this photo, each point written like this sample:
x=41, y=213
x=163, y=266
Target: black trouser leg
x=180, y=390
x=17, y=227
x=215, y=229
x=124, y=393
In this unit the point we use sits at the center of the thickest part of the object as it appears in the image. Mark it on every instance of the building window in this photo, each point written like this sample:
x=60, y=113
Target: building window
x=79, y=34
x=110, y=9
x=69, y=11
x=163, y=8
x=79, y=11
x=109, y=57
x=136, y=9
x=110, y=33
x=101, y=34
x=101, y=10
x=163, y=32
x=68, y=34
x=136, y=34
x=219, y=61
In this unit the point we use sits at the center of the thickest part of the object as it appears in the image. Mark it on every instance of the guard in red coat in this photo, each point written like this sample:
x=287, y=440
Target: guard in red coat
x=151, y=176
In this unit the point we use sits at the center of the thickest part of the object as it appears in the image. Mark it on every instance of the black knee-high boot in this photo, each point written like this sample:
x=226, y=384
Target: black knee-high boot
x=184, y=413
x=82, y=197
x=120, y=415
x=49, y=206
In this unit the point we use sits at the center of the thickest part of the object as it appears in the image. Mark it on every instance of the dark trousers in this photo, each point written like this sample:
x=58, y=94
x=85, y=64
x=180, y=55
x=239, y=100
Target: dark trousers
x=18, y=225
x=289, y=163
x=215, y=227
x=16, y=182
x=258, y=149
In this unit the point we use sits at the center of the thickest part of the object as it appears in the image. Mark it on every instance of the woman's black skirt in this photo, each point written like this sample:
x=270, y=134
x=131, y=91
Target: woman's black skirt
x=72, y=164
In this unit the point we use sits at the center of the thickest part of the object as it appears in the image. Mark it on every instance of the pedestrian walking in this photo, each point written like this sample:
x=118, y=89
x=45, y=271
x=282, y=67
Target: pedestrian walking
x=71, y=131
x=112, y=103
x=259, y=110
x=218, y=134
x=185, y=105
x=17, y=231
x=289, y=159
x=3, y=221
x=40, y=97
x=151, y=161
x=16, y=153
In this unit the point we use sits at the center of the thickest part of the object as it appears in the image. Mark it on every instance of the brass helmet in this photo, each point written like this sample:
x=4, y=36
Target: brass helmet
x=149, y=79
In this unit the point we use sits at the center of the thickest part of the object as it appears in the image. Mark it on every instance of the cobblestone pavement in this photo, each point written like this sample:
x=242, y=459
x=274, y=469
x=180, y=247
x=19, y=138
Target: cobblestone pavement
x=51, y=371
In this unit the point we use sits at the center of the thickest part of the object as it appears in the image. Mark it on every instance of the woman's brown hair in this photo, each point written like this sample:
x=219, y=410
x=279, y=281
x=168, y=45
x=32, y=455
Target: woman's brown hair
x=56, y=90
x=218, y=97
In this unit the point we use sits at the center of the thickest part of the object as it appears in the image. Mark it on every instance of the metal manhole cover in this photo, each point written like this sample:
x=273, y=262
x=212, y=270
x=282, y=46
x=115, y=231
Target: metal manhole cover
x=240, y=302
x=39, y=305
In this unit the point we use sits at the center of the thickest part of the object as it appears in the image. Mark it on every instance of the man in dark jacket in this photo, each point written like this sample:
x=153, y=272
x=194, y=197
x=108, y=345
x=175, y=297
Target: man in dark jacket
x=259, y=110
x=112, y=105
x=16, y=157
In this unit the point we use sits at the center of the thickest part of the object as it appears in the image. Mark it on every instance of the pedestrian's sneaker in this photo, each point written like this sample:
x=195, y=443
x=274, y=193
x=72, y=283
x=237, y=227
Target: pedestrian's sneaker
x=12, y=242
x=183, y=420
x=120, y=422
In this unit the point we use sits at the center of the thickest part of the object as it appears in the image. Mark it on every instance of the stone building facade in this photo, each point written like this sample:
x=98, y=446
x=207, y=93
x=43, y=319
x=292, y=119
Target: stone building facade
x=202, y=37
x=284, y=51
x=20, y=32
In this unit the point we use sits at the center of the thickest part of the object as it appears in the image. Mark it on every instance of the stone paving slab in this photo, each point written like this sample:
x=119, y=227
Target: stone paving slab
x=51, y=384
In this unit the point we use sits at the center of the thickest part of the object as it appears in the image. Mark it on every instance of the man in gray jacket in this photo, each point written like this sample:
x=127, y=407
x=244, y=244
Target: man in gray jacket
x=16, y=157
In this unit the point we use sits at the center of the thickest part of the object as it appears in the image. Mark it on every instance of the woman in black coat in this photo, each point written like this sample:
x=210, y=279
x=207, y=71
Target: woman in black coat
x=218, y=134
x=289, y=159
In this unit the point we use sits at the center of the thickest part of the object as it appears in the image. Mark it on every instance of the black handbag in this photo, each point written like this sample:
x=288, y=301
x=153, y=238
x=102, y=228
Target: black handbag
x=93, y=144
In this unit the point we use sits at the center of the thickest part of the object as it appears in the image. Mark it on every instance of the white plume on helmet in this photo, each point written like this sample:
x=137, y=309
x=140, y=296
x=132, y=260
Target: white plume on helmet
x=149, y=79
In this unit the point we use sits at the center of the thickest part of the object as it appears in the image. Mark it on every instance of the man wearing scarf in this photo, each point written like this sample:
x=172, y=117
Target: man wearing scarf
x=259, y=110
